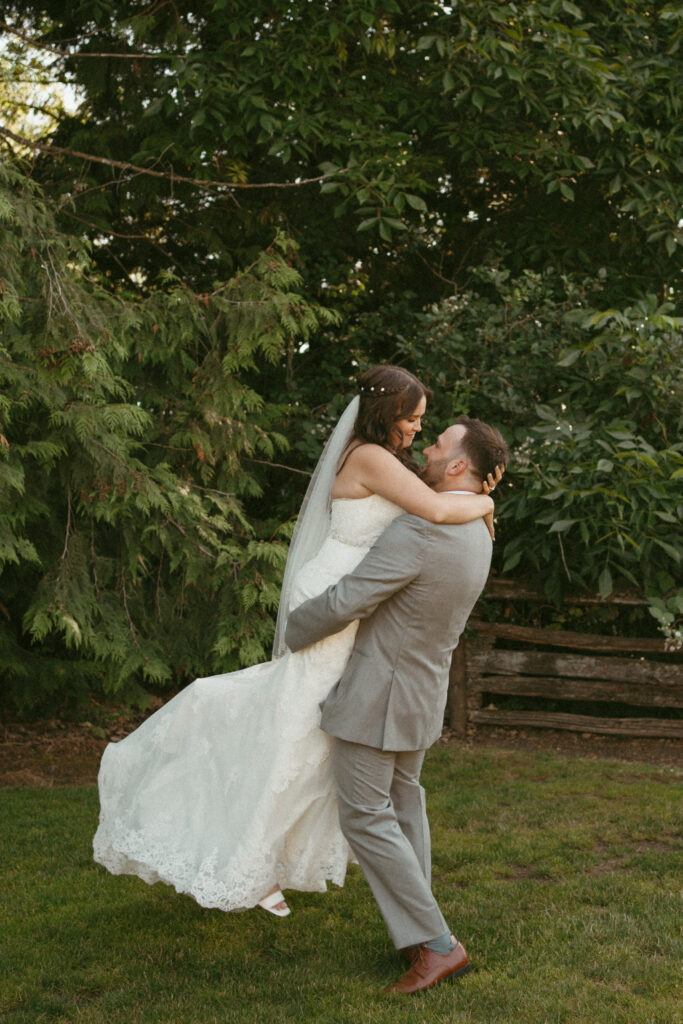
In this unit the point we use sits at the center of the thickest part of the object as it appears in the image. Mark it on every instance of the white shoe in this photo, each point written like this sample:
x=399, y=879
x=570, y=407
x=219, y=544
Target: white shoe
x=271, y=901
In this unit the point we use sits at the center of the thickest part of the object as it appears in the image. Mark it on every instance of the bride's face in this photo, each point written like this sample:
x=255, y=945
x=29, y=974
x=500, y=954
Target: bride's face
x=409, y=426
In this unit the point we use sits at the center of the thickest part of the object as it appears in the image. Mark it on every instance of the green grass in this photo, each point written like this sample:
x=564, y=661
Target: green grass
x=559, y=875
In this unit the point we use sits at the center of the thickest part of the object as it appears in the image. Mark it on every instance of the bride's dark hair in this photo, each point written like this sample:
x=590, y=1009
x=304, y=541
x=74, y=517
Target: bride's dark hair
x=387, y=395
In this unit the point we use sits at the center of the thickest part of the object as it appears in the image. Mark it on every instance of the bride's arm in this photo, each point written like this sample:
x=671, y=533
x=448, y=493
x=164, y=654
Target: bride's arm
x=379, y=471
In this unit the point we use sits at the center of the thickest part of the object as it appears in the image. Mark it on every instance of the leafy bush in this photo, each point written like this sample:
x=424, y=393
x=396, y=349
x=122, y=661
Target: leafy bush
x=591, y=403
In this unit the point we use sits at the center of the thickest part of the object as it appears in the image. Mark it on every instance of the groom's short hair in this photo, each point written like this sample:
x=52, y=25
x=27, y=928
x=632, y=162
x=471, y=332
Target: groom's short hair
x=483, y=446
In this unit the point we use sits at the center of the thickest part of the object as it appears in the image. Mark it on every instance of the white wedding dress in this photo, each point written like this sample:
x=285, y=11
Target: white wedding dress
x=227, y=789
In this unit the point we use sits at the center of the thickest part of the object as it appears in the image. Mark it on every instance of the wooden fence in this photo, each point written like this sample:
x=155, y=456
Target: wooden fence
x=503, y=659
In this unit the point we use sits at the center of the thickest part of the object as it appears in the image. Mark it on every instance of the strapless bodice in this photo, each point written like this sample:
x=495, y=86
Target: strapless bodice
x=360, y=521
x=355, y=525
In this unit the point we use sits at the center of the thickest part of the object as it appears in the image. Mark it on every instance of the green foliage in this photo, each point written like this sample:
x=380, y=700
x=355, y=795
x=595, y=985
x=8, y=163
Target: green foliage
x=669, y=615
x=153, y=368
x=605, y=455
x=125, y=551
x=442, y=132
x=591, y=401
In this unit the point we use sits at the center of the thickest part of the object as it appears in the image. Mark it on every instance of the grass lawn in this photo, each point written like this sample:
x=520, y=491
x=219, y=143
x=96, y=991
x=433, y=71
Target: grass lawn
x=560, y=875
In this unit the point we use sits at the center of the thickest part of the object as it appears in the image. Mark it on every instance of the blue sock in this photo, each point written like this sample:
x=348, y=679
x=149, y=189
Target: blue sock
x=444, y=944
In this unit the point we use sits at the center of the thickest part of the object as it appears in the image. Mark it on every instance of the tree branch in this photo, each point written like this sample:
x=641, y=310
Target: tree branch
x=94, y=558
x=123, y=165
x=105, y=230
x=564, y=560
x=68, y=526
x=131, y=625
x=279, y=465
x=66, y=53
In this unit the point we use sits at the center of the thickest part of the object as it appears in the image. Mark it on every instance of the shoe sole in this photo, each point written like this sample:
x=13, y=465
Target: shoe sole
x=459, y=973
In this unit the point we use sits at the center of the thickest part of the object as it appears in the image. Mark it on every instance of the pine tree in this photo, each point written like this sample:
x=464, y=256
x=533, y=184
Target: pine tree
x=125, y=425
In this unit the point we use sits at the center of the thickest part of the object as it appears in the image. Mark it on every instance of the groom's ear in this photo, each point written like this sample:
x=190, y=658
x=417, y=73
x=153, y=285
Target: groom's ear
x=456, y=466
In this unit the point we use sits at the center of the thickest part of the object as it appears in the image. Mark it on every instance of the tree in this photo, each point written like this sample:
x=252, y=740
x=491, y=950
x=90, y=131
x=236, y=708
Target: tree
x=125, y=438
x=544, y=129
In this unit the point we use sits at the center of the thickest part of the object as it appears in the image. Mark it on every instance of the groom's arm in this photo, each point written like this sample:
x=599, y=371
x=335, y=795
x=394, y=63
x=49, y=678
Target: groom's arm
x=391, y=563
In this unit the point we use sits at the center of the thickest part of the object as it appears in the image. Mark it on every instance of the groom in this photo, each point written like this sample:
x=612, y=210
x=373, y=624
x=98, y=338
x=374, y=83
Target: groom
x=413, y=593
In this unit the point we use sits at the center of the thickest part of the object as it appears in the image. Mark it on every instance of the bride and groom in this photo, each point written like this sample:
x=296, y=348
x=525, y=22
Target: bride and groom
x=228, y=792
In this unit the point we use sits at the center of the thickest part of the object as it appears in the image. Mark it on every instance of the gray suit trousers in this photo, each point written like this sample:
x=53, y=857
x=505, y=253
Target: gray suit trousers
x=383, y=816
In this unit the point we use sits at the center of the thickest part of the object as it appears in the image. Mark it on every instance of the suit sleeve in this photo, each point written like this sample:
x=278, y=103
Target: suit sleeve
x=391, y=563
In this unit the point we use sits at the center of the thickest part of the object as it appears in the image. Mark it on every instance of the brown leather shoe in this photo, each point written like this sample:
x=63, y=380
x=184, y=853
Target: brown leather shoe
x=430, y=968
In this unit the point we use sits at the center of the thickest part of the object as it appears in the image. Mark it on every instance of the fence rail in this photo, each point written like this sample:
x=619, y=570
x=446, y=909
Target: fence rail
x=587, y=667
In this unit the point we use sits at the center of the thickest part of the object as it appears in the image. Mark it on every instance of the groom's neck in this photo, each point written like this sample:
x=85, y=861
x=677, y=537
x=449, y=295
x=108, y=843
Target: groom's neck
x=450, y=484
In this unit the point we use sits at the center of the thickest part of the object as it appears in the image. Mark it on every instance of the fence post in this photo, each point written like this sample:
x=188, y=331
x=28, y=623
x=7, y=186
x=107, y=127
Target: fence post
x=457, y=691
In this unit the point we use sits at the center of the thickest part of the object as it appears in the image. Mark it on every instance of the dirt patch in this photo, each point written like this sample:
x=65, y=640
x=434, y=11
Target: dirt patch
x=613, y=866
x=524, y=873
x=656, y=846
x=665, y=752
x=48, y=754
x=54, y=753
x=618, y=863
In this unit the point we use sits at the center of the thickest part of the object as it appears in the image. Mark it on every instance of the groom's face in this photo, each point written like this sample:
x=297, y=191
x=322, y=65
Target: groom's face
x=439, y=455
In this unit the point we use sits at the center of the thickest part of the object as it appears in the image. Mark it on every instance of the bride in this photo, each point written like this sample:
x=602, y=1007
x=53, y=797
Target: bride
x=226, y=791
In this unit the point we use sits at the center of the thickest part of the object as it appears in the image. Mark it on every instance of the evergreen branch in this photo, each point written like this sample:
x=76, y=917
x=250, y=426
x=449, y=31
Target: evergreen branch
x=168, y=447
x=125, y=605
x=182, y=179
x=115, y=456
x=68, y=525
x=65, y=53
x=94, y=558
x=55, y=284
x=211, y=490
x=279, y=465
x=200, y=547
x=157, y=593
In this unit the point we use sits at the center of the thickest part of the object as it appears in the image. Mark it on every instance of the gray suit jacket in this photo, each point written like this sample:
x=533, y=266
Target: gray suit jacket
x=413, y=593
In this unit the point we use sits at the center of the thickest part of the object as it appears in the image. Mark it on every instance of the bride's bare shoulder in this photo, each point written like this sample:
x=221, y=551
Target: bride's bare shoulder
x=364, y=452
x=359, y=467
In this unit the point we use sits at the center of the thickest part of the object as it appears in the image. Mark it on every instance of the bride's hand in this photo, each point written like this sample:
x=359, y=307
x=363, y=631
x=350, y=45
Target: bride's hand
x=489, y=485
x=488, y=519
x=492, y=479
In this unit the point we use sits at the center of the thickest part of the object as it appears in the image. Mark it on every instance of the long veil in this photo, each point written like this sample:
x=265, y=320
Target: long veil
x=313, y=521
